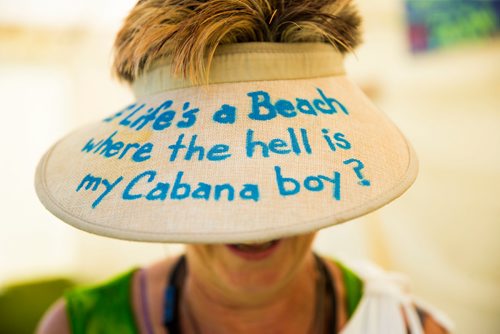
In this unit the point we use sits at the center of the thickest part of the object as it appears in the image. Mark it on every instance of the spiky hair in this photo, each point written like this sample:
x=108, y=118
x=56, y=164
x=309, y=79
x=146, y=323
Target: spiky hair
x=189, y=31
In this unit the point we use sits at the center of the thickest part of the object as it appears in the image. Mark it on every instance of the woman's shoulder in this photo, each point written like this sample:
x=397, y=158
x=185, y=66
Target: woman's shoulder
x=367, y=289
x=119, y=300
x=86, y=306
x=55, y=320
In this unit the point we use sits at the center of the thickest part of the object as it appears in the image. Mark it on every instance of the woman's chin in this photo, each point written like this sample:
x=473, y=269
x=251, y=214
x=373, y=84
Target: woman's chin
x=258, y=267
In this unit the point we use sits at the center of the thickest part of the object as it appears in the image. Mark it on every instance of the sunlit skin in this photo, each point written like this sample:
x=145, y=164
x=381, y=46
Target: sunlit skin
x=225, y=293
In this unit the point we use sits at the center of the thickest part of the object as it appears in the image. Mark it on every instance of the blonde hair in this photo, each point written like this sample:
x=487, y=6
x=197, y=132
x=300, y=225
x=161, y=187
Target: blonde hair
x=189, y=31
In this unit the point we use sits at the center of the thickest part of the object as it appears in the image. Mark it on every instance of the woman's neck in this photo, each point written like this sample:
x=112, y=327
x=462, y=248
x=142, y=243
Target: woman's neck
x=290, y=308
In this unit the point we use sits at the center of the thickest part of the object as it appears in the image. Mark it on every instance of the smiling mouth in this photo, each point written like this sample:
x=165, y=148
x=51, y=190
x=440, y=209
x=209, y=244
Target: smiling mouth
x=255, y=247
x=254, y=251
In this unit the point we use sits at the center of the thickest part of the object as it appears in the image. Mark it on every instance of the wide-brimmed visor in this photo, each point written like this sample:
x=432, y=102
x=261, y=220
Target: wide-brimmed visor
x=279, y=143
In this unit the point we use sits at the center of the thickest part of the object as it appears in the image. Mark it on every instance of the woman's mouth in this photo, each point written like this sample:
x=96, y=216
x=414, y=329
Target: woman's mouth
x=254, y=251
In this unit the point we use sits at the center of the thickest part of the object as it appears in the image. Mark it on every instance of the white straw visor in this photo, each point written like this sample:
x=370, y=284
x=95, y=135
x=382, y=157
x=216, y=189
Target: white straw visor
x=279, y=143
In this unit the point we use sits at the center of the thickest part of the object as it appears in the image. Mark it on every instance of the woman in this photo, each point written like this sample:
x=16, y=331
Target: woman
x=245, y=139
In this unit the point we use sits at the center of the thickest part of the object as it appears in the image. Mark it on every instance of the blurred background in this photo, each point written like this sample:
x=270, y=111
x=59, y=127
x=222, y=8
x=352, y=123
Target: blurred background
x=432, y=66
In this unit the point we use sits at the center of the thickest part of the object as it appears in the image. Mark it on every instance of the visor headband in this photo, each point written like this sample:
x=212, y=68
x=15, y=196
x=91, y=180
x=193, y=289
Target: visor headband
x=251, y=62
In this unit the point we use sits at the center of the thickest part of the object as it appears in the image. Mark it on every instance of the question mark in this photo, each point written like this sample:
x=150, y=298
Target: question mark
x=357, y=170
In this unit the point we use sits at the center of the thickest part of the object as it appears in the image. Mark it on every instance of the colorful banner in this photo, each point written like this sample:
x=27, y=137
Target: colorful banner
x=440, y=23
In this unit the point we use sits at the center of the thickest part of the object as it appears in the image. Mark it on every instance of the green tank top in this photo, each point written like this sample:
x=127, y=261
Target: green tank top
x=104, y=308
x=107, y=307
